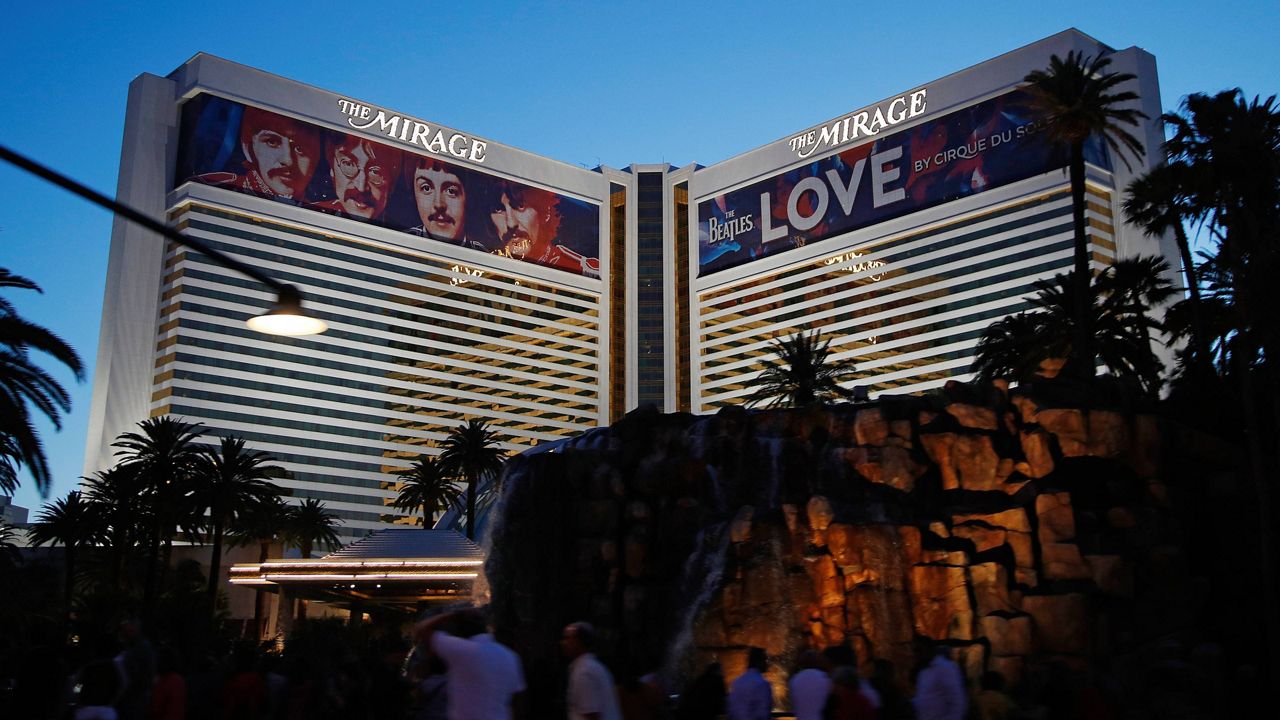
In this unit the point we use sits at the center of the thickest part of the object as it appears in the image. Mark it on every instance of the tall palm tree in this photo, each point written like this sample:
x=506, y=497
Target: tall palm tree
x=23, y=384
x=1159, y=202
x=265, y=523
x=68, y=522
x=310, y=524
x=164, y=453
x=802, y=372
x=426, y=486
x=1232, y=147
x=1121, y=299
x=116, y=515
x=229, y=482
x=1082, y=98
x=471, y=453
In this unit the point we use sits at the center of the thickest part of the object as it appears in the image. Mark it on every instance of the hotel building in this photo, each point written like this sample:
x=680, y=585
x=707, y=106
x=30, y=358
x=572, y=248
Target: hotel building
x=462, y=278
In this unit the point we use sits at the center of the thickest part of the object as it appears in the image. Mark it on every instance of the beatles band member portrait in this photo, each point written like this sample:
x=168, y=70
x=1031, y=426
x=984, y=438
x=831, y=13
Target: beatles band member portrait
x=280, y=156
x=363, y=174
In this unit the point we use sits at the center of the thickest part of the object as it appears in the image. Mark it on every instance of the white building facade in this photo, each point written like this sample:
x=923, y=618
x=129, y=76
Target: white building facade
x=462, y=278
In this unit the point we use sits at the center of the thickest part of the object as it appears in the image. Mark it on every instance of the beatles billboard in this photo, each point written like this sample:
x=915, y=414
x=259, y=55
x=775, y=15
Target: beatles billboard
x=983, y=146
x=257, y=152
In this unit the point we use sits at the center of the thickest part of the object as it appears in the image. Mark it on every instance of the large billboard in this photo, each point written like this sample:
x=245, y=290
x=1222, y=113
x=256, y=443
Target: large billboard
x=257, y=152
x=965, y=152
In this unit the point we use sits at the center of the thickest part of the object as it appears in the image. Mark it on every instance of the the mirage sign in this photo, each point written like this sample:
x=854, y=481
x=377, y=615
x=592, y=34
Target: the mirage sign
x=252, y=151
x=965, y=152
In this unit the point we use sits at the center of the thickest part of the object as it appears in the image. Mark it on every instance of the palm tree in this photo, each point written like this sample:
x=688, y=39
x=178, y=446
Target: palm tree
x=426, y=486
x=1017, y=346
x=229, y=481
x=310, y=524
x=23, y=383
x=1081, y=99
x=1158, y=202
x=164, y=453
x=68, y=522
x=116, y=515
x=1120, y=301
x=9, y=555
x=471, y=454
x=265, y=522
x=802, y=372
x=1232, y=149
x=9, y=463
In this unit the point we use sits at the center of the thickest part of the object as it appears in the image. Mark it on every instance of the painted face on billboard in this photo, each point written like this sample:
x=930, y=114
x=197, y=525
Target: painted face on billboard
x=517, y=223
x=248, y=150
x=362, y=176
x=441, y=199
x=282, y=152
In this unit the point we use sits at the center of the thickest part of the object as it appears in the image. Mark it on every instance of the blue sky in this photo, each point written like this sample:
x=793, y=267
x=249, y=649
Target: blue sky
x=585, y=83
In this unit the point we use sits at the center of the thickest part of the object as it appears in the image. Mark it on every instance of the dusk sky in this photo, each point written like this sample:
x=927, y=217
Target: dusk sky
x=584, y=83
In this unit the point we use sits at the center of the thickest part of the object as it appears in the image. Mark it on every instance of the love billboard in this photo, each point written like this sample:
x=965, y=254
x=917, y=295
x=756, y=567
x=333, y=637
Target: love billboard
x=983, y=146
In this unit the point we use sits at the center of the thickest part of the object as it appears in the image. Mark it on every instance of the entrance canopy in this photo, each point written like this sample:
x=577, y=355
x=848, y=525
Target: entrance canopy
x=406, y=567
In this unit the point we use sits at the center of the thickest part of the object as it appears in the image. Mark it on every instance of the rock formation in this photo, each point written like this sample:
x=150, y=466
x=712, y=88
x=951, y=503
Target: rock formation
x=1017, y=532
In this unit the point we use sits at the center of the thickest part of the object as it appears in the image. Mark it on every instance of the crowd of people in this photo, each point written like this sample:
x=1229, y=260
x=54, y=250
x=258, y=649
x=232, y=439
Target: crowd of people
x=452, y=668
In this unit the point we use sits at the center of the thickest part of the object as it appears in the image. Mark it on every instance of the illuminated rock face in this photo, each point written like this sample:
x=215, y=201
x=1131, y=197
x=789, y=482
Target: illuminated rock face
x=1002, y=526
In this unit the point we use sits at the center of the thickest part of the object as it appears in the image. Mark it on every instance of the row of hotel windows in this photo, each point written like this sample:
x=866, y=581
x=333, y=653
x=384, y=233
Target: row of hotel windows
x=879, y=309
x=349, y=408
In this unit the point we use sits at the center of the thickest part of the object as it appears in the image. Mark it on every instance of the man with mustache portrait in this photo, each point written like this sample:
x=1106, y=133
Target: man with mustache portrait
x=280, y=157
x=524, y=223
x=440, y=195
x=363, y=173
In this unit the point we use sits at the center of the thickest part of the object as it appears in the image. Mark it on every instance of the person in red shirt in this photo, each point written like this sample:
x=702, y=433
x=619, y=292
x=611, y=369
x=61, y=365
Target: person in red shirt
x=169, y=694
x=846, y=701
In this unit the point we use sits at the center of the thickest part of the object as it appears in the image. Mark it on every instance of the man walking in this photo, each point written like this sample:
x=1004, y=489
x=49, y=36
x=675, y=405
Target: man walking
x=484, y=676
x=591, y=694
x=750, y=696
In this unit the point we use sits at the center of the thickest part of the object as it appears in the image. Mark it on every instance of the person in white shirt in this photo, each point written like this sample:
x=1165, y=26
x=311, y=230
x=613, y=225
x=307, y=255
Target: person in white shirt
x=750, y=695
x=940, y=690
x=809, y=687
x=484, y=676
x=591, y=694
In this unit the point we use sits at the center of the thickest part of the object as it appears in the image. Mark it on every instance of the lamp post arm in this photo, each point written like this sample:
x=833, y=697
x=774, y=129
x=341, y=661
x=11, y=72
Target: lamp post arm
x=129, y=213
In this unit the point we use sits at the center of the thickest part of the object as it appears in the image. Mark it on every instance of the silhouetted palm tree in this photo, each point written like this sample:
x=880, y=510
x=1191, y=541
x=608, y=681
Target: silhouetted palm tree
x=65, y=521
x=310, y=524
x=266, y=522
x=1159, y=202
x=1122, y=297
x=471, y=454
x=9, y=555
x=229, y=482
x=164, y=453
x=1231, y=147
x=118, y=518
x=24, y=384
x=1081, y=99
x=1016, y=346
x=9, y=463
x=426, y=487
x=802, y=372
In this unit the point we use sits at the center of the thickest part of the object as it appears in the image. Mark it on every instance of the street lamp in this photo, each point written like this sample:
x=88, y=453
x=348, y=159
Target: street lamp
x=286, y=316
